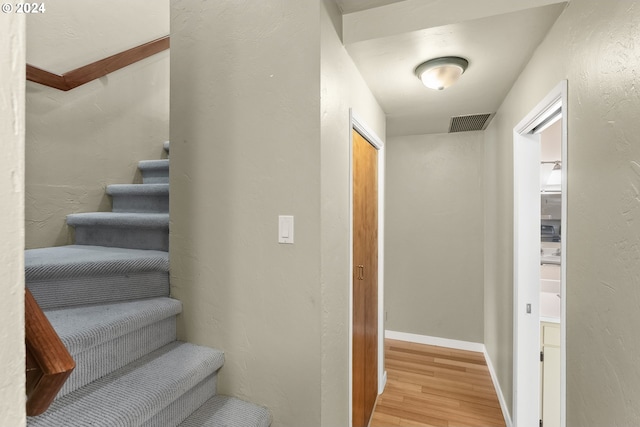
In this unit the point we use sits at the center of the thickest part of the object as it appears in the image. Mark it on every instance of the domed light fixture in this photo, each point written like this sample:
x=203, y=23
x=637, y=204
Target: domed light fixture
x=440, y=73
x=555, y=177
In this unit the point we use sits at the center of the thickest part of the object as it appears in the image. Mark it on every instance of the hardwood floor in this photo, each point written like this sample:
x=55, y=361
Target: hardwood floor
x=436, y=387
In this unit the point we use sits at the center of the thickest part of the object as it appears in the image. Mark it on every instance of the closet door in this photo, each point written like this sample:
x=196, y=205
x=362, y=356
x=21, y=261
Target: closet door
x=365, y=280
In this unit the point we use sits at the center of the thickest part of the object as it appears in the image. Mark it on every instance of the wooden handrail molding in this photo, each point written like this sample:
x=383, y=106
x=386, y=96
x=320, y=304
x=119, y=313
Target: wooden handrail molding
x=95, y=70
x=48, y=363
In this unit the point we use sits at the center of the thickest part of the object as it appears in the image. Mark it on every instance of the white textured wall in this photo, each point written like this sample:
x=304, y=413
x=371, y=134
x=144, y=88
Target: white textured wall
x=80, y=141
x=435, y=232
x=12, y=51
x=342, y=87
x=73, y=33
x=594, y=45
x=245, y=135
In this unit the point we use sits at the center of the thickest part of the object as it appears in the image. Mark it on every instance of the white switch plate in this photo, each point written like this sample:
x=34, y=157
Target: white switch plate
x=285, y=229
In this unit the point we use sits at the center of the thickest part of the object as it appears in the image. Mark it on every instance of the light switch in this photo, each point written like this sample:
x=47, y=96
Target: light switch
x=285, y=229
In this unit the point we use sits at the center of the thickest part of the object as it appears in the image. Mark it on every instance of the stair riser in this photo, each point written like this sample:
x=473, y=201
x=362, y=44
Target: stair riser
x=182, y=407
x=222, y=411
x=132, y=238
x=141, y=204
x=155, y=176
x=67, y=292
x=136, y=393
x=112, y=355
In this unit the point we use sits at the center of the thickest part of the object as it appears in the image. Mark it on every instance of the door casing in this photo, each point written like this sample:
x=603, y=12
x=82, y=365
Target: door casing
x=526, y=267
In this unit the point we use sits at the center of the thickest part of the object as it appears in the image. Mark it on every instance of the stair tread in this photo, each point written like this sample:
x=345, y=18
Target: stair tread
x=138, y=391
x=153, y=164
x=221, y=411
x=119, y=219
x=83, y=327
x=138, y=189
x=84, y=260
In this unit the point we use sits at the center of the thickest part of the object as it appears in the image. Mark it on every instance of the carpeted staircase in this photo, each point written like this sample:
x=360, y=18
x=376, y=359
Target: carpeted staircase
x=107, y=296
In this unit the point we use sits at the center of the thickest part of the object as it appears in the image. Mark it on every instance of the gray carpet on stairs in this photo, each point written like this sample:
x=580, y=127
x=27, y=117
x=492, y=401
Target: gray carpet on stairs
x=82, y=261
x=154, y=171
x=186, y=404
x=104, y=338
x=107, y=297
x=110, y=356
x=124, y=230
x=81, y=328
x=227, y=411
x=76, y=274
x=152, y=198
x=136, y=393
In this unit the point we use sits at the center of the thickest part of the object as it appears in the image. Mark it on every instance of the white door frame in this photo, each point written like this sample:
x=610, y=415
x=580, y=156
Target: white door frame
x=357, y=124
x=526, y=261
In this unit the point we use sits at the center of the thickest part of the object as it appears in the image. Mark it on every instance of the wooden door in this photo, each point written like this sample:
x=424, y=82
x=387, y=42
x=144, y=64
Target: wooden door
x=365, y=280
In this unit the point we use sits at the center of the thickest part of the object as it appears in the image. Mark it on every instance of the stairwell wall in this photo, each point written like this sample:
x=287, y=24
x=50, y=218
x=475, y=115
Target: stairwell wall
x=80, y=141
x=594, y=46
x=260, y=127
x=12, y=351
x=245, y=148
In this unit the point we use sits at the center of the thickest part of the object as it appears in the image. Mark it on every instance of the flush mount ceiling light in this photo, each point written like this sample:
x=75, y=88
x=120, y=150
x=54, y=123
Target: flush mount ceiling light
x=440, y=73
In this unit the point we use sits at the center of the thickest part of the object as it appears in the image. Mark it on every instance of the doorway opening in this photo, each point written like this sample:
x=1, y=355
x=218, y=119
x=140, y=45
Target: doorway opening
x=531, y=255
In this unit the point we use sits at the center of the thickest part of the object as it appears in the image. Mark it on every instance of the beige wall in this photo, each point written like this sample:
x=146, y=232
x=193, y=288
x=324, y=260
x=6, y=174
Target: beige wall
x=12, y=51
x=245, y=132
x=260, y=127
x=342, y=88
x=593, y=45
x=434, y=228
x=78, y=142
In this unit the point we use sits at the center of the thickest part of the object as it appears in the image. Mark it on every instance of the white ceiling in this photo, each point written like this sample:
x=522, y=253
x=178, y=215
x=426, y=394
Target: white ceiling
x=387, y=39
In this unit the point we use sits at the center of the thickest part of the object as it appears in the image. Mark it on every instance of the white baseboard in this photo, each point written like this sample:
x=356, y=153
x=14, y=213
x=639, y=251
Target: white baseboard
x=496, y=385
x=383, y=383
x=440, y=342
x=458, y=345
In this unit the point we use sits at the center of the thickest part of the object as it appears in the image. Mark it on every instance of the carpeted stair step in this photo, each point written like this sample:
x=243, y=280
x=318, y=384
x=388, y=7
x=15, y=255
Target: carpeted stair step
x=186, y=404
x=124, y=230
x=139, y=197
x=80, y=274
x=137, y=393
x=154, y=171
x=223, y=411
x=103, y=338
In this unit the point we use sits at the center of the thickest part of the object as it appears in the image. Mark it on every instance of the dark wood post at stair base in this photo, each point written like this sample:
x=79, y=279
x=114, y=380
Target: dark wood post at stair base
x=48, y=363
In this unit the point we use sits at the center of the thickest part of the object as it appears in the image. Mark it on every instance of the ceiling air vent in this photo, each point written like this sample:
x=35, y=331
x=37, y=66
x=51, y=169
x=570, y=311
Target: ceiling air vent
x=470, y=122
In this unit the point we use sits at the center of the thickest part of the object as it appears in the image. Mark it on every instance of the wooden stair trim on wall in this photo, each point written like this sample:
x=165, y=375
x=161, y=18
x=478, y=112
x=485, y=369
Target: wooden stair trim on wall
x=48, y=363
x=95, y=70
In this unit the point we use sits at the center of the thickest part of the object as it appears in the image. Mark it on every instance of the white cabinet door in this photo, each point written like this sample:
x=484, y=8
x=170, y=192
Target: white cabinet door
x=550, y=337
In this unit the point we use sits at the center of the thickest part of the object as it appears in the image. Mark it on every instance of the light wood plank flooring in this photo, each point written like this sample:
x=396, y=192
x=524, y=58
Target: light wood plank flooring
x=436, y=387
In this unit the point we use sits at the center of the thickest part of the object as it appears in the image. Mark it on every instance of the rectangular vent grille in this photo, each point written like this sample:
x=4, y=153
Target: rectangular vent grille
x=470, y=122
